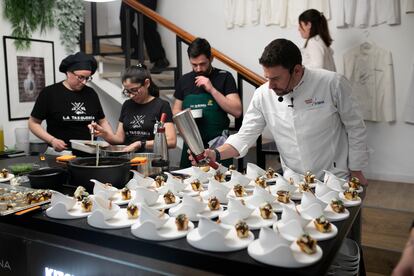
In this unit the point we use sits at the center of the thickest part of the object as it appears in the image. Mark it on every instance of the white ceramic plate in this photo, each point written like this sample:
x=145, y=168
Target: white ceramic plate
x=255, y=221
x=5, y=179
x=207, y=213
x=117, y=198
x=231, y=242
x=160, y=203
x=350, y=203
x=59, y=212
x=334, y=216
x=255, y=251
x=120, y=220
x=319, y=236
x=167, y=232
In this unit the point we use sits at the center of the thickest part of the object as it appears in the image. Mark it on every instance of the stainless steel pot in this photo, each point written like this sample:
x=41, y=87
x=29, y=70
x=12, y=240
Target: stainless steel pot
x=112, y=170
x=147, y=169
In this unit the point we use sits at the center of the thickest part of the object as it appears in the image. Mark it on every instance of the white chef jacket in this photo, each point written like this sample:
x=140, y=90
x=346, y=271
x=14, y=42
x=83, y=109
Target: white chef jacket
x=322, y=131
x=409, y=103
x=409, y=8
x=370, y=70
x=317, y=55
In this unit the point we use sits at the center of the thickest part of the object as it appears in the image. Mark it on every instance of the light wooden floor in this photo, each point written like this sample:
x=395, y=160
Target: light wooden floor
x=390, y=195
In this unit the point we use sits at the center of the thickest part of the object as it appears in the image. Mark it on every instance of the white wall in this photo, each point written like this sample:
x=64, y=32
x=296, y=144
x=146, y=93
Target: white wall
x=5, y=30
x=393, y=152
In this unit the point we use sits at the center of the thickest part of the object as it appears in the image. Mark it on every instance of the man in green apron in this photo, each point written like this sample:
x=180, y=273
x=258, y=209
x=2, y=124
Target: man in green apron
x=210, y=92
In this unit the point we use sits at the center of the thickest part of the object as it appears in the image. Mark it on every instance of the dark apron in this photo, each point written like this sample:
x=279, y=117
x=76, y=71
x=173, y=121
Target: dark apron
x=210, y=125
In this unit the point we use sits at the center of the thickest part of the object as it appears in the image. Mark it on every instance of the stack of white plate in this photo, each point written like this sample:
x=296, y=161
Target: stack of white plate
x=347, y=260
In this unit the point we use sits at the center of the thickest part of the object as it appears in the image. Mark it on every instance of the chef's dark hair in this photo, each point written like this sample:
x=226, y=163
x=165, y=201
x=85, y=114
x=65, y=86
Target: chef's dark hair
x=281, y=52
x=138, y=74
x=319, y=25
x=199, y=46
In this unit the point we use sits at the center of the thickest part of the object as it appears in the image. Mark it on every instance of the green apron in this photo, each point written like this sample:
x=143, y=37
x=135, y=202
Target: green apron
x=210, y=125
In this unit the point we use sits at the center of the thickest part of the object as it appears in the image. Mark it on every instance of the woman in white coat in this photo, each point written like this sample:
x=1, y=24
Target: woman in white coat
x=316, y=52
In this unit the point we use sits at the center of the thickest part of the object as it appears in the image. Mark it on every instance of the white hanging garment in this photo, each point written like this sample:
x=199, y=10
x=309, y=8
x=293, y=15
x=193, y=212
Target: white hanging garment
x=240, y=13
x=370, y=70
x=409, y=103
x=321, y=5
x=229, y=8
x=362, y=11
x=345, y=15
x=255, y=11
x=409, y=8
x=274, y=12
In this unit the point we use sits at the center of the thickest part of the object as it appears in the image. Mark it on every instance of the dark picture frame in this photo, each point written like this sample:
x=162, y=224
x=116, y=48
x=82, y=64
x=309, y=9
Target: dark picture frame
x=27, y=73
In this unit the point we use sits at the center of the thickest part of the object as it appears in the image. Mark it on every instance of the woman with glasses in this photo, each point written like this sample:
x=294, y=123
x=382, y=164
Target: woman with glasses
x=68, y=106
x=139, y=113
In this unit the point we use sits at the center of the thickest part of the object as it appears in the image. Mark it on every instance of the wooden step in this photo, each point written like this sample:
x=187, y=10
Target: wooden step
x=385, y=229
x=380, y=261
x=155, y=77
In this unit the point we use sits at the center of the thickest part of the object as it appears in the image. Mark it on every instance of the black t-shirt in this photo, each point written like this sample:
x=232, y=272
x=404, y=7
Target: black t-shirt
x=67, y=112
x=222, y=80
x=139, y=119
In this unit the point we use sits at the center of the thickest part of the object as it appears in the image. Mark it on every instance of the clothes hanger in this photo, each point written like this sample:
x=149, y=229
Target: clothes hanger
x=367, y=43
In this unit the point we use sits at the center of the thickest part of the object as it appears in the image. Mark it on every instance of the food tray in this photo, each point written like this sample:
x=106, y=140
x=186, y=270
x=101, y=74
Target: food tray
x=82, y=146
x=5, y=188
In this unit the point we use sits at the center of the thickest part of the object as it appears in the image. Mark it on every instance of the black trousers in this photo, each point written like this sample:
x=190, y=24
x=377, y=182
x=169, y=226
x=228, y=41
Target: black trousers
x=152, y=38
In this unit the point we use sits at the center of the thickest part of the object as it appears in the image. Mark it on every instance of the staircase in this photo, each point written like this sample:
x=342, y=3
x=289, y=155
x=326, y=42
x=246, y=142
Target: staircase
x=387, y=215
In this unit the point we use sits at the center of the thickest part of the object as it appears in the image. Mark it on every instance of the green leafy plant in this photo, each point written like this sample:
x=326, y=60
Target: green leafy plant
x=26, y=16
x=69, y=15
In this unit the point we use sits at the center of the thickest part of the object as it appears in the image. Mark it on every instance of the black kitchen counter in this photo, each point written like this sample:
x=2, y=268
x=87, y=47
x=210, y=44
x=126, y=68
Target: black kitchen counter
x=177, y=252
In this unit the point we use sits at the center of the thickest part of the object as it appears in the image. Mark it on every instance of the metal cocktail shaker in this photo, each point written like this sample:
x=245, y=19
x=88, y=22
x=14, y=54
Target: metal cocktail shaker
x=189, y=131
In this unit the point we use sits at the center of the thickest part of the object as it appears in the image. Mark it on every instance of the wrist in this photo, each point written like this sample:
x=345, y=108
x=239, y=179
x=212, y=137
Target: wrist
x=142, y=145
x=51, y=141
x=218, y=155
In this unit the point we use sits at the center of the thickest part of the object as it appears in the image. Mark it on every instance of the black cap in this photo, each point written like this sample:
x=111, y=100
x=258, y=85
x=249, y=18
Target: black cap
x=78, y=61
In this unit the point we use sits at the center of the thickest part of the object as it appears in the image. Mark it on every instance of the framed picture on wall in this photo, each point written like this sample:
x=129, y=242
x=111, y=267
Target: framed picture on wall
x=27, y=73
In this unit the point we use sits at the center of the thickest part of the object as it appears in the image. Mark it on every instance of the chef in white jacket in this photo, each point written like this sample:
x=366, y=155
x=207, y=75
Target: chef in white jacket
x=310, y=113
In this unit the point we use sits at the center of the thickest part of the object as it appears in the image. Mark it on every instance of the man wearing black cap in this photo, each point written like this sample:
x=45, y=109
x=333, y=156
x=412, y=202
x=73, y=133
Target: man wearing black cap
x=68, y=106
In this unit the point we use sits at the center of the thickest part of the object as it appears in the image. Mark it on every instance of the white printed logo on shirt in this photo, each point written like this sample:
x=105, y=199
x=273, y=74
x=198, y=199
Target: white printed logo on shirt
x=78, y=108
x=138, y=121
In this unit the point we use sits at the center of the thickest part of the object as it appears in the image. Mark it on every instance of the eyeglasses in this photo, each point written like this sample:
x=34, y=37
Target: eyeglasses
x=131, y=91
x=82, y=78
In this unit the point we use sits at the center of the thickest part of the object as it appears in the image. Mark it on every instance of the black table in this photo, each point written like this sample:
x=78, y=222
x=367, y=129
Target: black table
x=173, y=256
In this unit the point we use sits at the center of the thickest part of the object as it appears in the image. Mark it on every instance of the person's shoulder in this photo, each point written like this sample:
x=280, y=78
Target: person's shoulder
x=187, y=76
x=221, y=72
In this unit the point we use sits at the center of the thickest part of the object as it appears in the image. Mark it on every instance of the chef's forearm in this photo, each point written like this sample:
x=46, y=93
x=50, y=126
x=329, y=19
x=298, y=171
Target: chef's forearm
x=227, y=151
x=37, y=129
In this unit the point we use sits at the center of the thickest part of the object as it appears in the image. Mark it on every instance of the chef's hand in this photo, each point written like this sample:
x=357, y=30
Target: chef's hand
x=360, y=176
x=405, y=266
x=132, y=147
x=58, y=145
x=207, y=153
x=201, y=81
x=97, y=130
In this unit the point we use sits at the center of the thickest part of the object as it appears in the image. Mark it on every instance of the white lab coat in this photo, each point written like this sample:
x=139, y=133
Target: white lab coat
x=409, y=8
x=322, y=131
x=363, y=13
x=409, y=104
x=317, y=55
x=370, y=70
